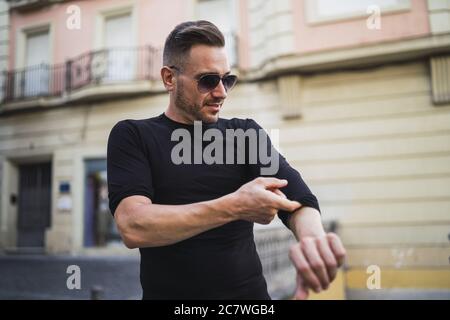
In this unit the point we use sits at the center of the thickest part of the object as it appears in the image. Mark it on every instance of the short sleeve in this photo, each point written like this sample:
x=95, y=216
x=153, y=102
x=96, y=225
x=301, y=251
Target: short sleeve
x=128, y=167
x=297, y=189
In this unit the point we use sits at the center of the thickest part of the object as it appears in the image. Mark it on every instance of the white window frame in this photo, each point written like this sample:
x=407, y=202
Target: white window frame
x=21, y=42
x=124, y=8
x=21, y=49
x=313, y=16
x=232, y=51
x=111, y=12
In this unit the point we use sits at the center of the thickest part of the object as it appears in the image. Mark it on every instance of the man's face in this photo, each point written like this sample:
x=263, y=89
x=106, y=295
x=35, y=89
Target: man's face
x=193, y=104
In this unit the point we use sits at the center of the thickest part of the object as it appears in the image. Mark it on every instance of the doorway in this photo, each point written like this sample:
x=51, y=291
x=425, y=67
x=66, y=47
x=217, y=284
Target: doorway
x=99, y=227
x=34, y=204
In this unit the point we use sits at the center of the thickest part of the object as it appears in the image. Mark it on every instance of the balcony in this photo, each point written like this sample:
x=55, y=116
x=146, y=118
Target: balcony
x=94, y=75
x=24, y=5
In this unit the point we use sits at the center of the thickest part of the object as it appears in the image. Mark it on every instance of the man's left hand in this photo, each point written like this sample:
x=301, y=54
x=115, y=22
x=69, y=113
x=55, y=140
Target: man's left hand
x=317, y=259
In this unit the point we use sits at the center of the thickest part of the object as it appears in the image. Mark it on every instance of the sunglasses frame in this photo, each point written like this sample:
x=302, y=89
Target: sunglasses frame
x=206, y=90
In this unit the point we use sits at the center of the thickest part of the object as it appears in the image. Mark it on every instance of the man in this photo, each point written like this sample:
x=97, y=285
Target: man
x=193, y=221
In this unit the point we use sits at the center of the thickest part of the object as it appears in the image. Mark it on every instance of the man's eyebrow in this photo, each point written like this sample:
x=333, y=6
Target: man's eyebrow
x=201, y=74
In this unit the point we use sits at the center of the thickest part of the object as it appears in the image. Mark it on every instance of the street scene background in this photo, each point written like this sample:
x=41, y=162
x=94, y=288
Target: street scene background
x=358, y=91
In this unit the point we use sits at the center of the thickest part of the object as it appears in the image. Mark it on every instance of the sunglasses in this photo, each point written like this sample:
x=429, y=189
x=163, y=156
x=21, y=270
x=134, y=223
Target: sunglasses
x=208, y=82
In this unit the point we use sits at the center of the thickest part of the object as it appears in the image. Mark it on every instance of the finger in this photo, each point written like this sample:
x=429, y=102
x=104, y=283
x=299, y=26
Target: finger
x=270, y=183
x=302, y=291
x=281, y=203
x=337, y=247
x=315, y=261
x=303, y=267
x=328, y=257
x=278, y=192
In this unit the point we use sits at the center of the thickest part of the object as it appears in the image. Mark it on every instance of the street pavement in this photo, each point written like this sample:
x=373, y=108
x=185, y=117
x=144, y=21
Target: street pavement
x=45, y=277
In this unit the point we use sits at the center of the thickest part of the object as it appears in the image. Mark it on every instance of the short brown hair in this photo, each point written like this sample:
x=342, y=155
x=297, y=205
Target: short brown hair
x=185, y=36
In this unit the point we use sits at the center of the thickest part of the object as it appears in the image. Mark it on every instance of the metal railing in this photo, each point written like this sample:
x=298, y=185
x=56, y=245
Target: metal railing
x=273, y=248
x=104, y=66
x=31, y=4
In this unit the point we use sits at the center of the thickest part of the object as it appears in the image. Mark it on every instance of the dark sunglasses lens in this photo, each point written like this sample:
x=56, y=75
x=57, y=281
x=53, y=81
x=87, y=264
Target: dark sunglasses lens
x=229, y=82
x=208, y=82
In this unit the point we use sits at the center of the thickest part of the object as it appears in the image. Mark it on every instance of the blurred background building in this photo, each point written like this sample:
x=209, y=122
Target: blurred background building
x=360, y=90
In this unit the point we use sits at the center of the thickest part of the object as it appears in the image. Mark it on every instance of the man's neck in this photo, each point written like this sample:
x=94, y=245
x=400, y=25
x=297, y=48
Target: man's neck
x=177, y=117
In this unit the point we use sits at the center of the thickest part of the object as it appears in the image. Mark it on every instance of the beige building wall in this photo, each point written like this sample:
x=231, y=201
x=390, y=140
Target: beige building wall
x=376, y=151
x=370, y=144
x=68, y=136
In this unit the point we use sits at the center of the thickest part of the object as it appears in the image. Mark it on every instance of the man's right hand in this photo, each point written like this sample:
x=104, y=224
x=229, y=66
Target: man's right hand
x=259, y=200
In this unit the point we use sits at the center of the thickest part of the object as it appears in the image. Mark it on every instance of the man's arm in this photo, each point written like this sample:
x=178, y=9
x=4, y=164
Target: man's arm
x=144, y=224
x=306, y=222
x=317, y=255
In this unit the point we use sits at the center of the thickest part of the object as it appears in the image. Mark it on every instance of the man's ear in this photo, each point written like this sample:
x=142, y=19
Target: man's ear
x=168, y=78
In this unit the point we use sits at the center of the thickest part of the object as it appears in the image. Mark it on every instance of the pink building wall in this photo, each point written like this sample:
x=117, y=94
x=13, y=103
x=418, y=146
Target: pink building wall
x=243, y=35
x=394, y=26
x=155, y=19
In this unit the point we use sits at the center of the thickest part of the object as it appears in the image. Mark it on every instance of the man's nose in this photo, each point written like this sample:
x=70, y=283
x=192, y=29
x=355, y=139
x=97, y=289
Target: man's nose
x=219, y=91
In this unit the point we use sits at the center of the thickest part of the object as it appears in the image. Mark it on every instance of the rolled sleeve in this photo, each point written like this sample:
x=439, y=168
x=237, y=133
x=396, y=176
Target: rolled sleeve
x=296, y=190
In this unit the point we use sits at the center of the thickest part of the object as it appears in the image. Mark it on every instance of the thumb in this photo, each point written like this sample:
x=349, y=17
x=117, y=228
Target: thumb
x=302, y=291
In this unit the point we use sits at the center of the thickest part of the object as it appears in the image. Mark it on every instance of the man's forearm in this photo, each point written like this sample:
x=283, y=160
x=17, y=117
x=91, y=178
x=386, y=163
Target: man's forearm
x=151, y=225
x=306, y=222
x=143, y=224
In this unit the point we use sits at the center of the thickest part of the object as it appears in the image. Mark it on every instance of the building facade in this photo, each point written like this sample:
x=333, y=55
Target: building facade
x=360, y=94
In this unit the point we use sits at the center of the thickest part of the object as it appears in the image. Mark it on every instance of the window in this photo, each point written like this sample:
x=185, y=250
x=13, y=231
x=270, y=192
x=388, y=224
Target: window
x=121, y=59
x=36, y=74
x=330, y=10
x=222, y=14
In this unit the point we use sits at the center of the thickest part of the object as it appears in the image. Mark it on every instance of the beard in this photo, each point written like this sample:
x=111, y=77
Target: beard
x=190, y=109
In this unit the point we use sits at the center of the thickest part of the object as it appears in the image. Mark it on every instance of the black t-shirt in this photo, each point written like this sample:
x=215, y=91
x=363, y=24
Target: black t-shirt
x=218, y=263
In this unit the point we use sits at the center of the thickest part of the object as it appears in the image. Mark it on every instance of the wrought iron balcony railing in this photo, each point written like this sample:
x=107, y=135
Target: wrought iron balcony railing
x=106, y=66
x=31, y=4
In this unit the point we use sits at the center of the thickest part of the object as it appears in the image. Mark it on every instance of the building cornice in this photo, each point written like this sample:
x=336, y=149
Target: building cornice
x=354, y=57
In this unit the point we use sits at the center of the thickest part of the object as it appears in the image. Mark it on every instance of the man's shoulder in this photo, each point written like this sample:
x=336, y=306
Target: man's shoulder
x=134, y=129
x=135, y=124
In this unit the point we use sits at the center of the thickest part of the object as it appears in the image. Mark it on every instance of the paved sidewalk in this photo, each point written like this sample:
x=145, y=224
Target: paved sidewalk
x=40, y=276
x=45, y=277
